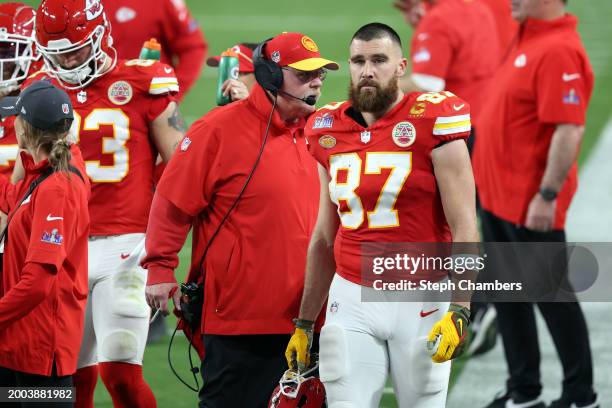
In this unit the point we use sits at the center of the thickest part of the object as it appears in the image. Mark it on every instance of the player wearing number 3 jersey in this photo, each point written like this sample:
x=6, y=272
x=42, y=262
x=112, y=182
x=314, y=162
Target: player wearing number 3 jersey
x=393, y=168
x=124, y=115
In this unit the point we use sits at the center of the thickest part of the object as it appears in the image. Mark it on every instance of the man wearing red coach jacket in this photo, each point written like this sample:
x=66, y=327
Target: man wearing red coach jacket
x=526, y=173
x=253, y=274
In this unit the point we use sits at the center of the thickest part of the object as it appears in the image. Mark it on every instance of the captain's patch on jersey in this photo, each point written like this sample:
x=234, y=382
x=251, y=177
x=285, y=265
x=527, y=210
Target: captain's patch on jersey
x=52, y=238
x=120, y=93
x=404, y=134
x=327, y=141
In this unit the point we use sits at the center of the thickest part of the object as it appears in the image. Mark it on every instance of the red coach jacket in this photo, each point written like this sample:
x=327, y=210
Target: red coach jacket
x=254, y=270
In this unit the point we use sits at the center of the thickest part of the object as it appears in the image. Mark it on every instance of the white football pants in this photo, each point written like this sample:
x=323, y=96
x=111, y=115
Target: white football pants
x=117, y=314
x=363, y=341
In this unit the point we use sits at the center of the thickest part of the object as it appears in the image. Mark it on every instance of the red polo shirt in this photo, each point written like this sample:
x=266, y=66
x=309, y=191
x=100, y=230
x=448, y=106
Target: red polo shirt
x=44, y=276
x=546, y=81
x=255, y=267
x=457, y=41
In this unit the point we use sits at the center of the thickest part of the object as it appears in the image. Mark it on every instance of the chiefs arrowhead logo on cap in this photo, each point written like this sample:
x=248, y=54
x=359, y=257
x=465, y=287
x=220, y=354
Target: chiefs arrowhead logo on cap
x=309, y=44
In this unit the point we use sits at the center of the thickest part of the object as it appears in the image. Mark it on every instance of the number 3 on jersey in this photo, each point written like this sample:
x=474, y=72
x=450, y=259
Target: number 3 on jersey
x=115, y=145
x=384, y=214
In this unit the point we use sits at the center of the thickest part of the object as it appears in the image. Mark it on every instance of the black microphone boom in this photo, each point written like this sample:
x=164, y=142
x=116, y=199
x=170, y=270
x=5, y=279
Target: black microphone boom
x=310, y=100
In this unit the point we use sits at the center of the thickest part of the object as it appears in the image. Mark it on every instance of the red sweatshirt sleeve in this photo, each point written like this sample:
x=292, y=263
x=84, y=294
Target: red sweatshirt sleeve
x=7, y=195
x=184, y=41
x=166, y=233
x=33, y=287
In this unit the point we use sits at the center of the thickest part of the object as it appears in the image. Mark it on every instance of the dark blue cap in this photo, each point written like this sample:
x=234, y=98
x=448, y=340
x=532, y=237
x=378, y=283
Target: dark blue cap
x=40, y=104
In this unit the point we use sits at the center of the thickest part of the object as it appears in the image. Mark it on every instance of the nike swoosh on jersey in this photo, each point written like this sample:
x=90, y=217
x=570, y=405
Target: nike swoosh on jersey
x=425, y=314
x=570, y=77
x=168, y=70
x=50, y=218
x=125, y=256
x=458, y=107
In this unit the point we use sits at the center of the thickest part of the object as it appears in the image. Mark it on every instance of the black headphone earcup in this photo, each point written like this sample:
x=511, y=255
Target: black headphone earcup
x=267, y=73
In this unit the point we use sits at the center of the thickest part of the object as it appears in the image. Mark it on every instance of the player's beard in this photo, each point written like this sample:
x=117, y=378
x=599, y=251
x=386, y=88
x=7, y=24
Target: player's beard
x=377, y=101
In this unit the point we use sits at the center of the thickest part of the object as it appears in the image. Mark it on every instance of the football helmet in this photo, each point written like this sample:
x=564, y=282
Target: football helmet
x=16, y=44
x=299, y=390
x=74, y=38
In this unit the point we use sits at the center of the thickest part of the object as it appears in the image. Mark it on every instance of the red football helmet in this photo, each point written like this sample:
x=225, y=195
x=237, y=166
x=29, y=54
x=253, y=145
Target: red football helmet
x=296, y=390
x=16, y=44
x=74, y=39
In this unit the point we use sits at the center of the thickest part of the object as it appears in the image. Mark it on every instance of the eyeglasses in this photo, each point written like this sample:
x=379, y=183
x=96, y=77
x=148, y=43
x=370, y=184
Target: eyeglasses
x=308, y=76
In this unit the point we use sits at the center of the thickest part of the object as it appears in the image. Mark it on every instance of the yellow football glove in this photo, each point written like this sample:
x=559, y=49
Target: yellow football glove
x=298, y=349
x=447, y=338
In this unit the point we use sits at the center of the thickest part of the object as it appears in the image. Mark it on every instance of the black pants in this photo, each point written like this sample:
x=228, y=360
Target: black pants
x=12, y=378
x=517, y=326
x=242, y=371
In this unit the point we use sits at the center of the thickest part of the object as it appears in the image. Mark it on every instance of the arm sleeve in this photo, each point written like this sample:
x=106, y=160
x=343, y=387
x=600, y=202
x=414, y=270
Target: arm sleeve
x=52, y=222
x=33, y=287
x=432, y=49
x=562, y=87
x=185, y=42
x=452, y=119
x=7, y=194
x=166, y=233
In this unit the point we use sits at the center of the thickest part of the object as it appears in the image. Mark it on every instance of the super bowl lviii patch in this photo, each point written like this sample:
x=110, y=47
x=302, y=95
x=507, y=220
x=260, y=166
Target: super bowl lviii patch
x=120, y=93
x=52, y=238
x=323, y=122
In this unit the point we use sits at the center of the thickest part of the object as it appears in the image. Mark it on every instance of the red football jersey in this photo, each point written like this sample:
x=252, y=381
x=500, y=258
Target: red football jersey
x=8, y=146
x=112, y=122
x=382, y=176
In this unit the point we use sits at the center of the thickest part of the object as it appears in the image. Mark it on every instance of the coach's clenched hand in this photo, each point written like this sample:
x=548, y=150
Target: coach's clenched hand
x=158, y=295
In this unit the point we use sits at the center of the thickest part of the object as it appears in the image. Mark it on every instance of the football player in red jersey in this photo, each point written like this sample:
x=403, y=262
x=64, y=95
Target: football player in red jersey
x=16, y=58
x=125, y=114
x=393, y=167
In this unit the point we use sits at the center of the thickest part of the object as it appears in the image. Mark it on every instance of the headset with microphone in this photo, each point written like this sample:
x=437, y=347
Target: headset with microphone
x=270, y=75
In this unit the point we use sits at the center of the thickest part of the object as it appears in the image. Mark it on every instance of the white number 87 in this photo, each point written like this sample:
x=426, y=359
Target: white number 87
x=384, y=214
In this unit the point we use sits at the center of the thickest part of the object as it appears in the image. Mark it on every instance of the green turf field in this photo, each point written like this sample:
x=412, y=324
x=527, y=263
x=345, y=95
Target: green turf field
x=331, y=24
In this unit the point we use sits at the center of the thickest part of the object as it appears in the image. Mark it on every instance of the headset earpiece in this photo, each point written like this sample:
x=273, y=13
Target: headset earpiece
x=267, y=72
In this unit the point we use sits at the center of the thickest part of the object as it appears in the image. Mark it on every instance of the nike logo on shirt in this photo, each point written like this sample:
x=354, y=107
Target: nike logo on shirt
x=425, y=314
x=458, y=107
x=570, y=77
x=50, y=218
x=168, y=70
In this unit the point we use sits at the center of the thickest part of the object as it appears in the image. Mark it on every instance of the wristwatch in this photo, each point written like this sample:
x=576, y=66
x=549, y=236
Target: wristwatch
x=548, y=194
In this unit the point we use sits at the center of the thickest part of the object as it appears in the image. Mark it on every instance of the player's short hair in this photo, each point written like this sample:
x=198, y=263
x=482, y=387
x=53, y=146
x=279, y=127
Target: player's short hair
x=373, y=31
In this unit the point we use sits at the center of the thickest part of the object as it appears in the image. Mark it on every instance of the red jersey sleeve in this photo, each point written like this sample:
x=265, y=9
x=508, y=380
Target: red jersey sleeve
x=183, y=39
x=432, y=49
x=154, y=79
x=563, y=87
x=452, y=115
x=52, y=218
x=190, y=176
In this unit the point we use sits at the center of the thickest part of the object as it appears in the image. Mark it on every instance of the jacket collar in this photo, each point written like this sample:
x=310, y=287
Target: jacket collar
x=28, y=163
x=532, y=27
